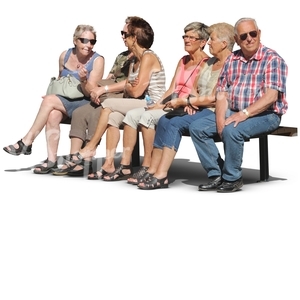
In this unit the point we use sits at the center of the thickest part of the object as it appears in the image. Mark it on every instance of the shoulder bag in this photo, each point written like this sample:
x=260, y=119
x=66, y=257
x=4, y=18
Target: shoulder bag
x=66, y=86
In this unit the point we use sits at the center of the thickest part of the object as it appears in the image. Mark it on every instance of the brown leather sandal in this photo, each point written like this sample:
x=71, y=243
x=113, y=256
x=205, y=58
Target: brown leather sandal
x=137, y=176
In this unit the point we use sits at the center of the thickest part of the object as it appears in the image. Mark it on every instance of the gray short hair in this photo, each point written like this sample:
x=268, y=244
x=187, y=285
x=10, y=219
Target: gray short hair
x=241, y=20
x=199, y=28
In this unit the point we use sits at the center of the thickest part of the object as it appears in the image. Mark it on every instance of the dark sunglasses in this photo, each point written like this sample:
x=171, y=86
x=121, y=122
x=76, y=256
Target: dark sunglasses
x=251, y=33
x=125, y=34
x=85, y=41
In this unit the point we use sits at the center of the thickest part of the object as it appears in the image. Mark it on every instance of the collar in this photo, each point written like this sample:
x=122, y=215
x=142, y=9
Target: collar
x=258, y=55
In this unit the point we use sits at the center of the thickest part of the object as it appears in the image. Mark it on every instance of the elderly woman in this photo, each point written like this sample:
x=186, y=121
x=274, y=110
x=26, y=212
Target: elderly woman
x=150, y=72
x=187, y=70
x=85, y=65
x=169, y=131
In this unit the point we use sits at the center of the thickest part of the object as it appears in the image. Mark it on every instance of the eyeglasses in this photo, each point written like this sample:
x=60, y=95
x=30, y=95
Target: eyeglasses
x=125, y=34
x=191, y=38
x=253, y=34
x=85, y=41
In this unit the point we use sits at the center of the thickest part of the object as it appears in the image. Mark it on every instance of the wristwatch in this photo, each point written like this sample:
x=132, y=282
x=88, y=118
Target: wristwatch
x=245, y=111
x=188, y=102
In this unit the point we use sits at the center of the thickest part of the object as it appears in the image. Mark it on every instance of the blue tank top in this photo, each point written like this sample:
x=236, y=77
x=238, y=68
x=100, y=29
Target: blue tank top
x=88, y=66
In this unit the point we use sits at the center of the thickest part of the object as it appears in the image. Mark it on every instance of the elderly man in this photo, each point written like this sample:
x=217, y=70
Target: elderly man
x=250, y=100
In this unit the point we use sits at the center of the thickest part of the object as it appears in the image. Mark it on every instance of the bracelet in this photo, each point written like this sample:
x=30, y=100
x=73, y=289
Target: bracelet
x=83, y=81
x=106, y=88
x=188, y=101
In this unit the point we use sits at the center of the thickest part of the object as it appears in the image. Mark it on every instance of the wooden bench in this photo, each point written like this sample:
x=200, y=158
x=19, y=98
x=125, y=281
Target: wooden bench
x=263, y=149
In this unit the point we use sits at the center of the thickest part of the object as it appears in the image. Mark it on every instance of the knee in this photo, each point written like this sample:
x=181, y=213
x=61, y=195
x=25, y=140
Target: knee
x=130, y=116
x=77, y=113
x=228, y=132
x=49, y=100
x=54, y=118
x=106, y=110
x=147, y=120
x=132, y=119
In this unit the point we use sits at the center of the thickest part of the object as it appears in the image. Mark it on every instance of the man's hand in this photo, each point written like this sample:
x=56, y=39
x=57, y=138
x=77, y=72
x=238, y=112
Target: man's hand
x=236, y=118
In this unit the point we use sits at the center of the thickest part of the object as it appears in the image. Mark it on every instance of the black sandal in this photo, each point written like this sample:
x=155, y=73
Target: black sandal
x=154, y=183
x=64, y=171
x=137, y=176
x=70, y=164
x=96, y=176
x=86, y=168
x=45, y=170
x=146, y=177
x=118, y=173
x=23, y=149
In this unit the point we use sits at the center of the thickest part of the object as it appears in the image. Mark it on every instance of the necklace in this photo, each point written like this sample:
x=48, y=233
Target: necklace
x=80, y=64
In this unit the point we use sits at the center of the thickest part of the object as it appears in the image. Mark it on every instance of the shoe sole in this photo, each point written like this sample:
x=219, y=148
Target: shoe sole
x=207, y=190
x=154, y=188
x=16, y=154
x=125, y=177
x=59, y=174
x=42, y=173
x=236, y=189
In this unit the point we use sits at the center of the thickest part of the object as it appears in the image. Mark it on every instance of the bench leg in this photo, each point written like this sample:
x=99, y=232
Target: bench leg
x=135, y=158
x=264, y=158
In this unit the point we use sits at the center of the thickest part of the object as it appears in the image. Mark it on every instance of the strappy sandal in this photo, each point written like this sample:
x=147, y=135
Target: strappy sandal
x=64, y=171
x=86, y=168
x=137, y=176
x=154, y=183
x=95, y=176
x=23, y=149
x=45, y=170
x=118, y=173
x=146, y=177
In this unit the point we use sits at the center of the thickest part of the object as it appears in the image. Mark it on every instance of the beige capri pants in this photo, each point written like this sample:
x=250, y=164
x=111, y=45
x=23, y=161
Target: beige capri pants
x=140, y=116
x=119, y=108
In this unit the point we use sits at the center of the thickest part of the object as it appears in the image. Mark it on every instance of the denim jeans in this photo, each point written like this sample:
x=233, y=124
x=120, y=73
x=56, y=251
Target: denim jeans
x=169, y=131
x=203, y=130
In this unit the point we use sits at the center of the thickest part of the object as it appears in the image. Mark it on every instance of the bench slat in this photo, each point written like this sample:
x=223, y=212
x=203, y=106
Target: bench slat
x=285, y=131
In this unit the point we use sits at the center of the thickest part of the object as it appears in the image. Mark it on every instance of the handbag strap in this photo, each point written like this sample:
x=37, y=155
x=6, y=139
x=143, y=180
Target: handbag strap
x=203, y=59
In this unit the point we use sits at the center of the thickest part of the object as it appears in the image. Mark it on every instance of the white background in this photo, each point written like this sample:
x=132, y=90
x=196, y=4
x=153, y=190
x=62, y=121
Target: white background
x=70, y=238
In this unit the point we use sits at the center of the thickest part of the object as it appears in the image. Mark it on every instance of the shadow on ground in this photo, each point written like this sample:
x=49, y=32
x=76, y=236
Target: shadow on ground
x=182, y=170
x=192, y=173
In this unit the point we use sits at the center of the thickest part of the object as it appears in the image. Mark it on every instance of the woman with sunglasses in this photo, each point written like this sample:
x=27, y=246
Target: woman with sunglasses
x=85, y=118
x=147, y=74
x=84, y=64
x=182, y=84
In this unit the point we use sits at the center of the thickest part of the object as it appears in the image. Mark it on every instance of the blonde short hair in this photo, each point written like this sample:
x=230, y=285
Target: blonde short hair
x=82, y=28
